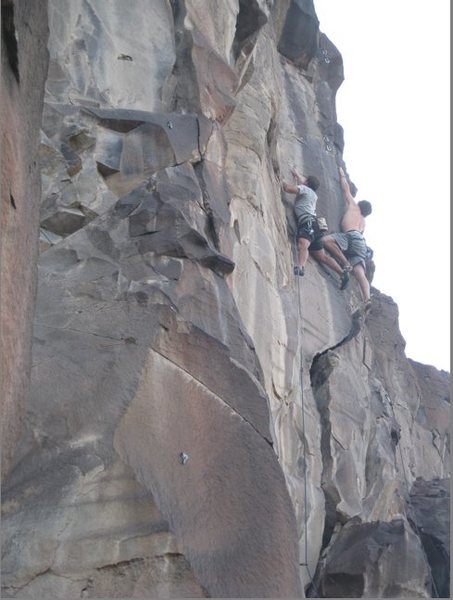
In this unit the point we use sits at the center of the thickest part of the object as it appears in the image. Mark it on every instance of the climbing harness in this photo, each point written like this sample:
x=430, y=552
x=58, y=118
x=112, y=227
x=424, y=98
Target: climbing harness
x=299, y=323
x=408, y=494
x=322, y=224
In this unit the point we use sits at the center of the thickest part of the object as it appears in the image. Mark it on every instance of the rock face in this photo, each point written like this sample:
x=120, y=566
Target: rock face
x=201, y=424
x=374, y=560
x=429, y=511
x=23, y=72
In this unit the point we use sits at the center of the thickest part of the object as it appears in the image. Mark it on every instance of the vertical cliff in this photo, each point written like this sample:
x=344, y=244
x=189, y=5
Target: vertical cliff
x=23, y=73
x=201, y=423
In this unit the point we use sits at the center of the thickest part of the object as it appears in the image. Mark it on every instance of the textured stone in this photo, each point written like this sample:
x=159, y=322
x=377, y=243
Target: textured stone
x=89, y=260
x=47, y=239
x=125, y=147
x=65, y=221
x=232, y=553
x=24, y=65
x=201, y=423
x=107, y=537
x=97, y=57
x=421, y=410
x=429, y=511
x=299, y=41
x=374, y=560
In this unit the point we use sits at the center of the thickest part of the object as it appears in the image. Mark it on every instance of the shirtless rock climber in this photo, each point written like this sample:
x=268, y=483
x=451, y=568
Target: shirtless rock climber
x=350, y=243
x=309, y=235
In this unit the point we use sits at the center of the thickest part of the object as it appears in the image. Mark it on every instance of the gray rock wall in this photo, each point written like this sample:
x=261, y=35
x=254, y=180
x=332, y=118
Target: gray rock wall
x=201, y=424
x=429, y=513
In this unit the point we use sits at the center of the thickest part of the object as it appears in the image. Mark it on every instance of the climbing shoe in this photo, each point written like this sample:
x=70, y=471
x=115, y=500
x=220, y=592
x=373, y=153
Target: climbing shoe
x=344, y=279
x=367, y=306
x=299, y=271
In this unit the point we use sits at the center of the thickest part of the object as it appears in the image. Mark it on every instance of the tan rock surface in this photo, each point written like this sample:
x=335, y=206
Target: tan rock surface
x=23, y=72
x=201, y=421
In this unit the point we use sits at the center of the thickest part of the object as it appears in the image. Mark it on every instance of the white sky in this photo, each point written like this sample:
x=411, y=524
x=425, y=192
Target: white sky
x=394, y=106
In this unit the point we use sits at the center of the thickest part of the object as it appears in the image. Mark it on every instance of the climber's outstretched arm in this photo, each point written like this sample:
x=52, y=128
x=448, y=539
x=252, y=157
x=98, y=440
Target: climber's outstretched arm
x=348, y=197
x=299, y=179
x=291, y=189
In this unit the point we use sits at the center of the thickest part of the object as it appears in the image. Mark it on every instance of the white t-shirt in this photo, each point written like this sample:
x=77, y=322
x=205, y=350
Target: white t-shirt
x=305, y=203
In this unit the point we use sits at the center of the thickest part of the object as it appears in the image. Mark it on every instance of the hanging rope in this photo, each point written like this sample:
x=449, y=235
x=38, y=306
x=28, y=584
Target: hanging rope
x=299, y=328
x=417, y=530
x=305, y=563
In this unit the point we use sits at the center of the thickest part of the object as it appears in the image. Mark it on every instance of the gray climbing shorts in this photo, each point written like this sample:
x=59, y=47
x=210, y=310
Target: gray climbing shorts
x=353, y=245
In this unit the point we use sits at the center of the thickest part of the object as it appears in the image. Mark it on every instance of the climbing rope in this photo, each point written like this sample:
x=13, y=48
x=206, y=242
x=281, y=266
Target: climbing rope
x=305, y=564
x=299, y=323
x=417, y=530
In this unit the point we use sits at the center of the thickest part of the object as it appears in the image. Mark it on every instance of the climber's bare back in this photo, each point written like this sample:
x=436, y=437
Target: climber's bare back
x=353, y=219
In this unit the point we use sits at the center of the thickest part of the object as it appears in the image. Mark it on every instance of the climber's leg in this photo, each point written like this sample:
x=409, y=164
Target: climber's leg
x=333, y=248
x=359, y=273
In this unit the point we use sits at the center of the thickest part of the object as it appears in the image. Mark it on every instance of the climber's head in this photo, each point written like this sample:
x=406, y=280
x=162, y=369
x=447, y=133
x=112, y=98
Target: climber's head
x=312, y=182
x=365, y=207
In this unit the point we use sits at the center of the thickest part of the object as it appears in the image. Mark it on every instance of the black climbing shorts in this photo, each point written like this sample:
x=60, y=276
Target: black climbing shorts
x=309, y=230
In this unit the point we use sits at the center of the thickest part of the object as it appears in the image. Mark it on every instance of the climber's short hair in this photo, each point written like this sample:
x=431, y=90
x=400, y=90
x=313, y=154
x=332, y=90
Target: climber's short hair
x=312, y=182
x=365, y=207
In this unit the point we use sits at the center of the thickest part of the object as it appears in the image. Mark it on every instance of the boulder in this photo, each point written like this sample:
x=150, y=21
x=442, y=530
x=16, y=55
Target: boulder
x=429, y=513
